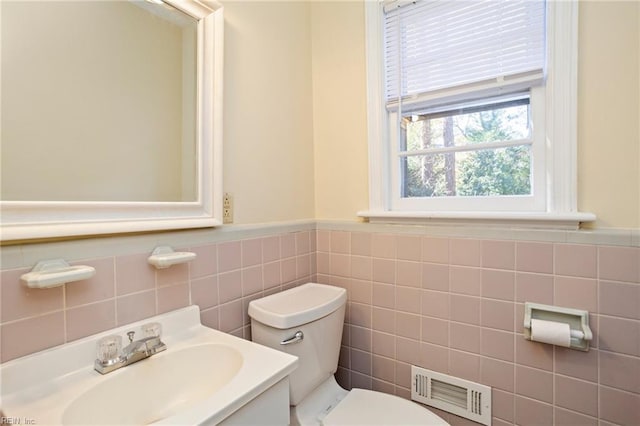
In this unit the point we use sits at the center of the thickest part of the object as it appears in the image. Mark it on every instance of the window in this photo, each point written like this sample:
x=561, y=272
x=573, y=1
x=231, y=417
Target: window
x=472, y=108
x=470, y=151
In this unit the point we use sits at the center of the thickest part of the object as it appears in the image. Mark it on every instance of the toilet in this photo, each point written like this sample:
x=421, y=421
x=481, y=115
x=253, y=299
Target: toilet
x=307, y=321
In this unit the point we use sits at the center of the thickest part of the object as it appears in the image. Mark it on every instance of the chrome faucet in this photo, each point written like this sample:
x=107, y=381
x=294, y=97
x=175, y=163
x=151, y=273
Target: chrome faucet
x=110, y=357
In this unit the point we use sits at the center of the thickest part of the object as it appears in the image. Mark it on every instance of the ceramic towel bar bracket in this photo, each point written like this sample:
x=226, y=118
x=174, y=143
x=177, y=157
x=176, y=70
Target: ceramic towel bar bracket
x=54, y=273
x=164, y=256
x=557, y=326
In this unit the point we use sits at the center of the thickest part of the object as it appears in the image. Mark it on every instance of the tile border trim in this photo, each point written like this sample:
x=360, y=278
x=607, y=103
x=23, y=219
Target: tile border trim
x=26, y=255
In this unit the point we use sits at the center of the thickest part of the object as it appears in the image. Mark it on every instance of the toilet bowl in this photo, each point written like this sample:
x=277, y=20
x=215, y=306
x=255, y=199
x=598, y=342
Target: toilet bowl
x=307, y=321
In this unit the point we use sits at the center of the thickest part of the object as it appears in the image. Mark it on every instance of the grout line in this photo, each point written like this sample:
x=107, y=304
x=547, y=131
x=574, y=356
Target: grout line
x=39, y=315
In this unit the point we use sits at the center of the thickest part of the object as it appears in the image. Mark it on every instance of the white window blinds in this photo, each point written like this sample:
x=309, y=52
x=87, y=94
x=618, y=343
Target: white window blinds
x=436, y=50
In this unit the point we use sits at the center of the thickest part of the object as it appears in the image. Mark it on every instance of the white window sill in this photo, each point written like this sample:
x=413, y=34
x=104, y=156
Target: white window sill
x=546, y=220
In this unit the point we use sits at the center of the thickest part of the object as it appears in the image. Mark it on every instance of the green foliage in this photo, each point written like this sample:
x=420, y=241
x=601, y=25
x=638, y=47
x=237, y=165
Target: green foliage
x=494, y=172
x=419, y=185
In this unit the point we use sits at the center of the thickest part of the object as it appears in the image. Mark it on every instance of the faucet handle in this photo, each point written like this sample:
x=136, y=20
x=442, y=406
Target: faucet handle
x=130, y=334
x=108, y=348
x=152, y=329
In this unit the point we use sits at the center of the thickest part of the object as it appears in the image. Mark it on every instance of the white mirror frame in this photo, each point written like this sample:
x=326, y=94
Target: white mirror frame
x=23, y=220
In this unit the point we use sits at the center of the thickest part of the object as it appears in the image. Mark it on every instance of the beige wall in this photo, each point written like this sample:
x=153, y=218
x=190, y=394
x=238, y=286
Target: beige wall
x=339, y=109
x=295, y=135
x=268, y=127
x=609, y=99
x=609, y=132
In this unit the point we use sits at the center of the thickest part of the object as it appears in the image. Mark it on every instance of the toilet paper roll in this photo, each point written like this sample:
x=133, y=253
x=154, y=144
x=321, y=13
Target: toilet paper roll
x=554, y=333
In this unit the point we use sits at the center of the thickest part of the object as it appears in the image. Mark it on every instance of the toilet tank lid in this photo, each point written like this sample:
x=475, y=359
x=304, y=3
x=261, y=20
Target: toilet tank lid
x=298, y=305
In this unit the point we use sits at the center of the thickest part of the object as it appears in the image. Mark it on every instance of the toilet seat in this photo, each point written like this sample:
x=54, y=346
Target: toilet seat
x=364, y=407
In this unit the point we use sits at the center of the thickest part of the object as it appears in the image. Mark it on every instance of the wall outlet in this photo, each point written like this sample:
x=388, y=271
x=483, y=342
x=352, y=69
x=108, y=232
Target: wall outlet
x=227, y=208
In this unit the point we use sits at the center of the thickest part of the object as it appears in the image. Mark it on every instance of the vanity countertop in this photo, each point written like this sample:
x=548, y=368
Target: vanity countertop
x=41, y=387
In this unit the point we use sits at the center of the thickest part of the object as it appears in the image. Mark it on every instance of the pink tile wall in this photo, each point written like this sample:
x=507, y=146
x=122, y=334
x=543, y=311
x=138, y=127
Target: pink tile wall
x=456, y=305
x=221, y=281
x=453, y=305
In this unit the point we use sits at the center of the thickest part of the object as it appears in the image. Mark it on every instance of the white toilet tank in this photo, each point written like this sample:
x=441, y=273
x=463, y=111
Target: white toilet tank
x=316, y=310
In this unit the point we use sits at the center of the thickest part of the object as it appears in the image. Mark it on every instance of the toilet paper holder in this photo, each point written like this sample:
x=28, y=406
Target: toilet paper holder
x=577, y=319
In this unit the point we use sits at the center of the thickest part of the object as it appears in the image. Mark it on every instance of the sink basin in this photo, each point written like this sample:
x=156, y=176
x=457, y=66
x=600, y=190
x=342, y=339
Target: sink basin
x=204, y=377
x=142, y=396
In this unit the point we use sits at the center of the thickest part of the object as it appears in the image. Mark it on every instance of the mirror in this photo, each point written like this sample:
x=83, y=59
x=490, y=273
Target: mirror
x=111, y=116
x=106, y=116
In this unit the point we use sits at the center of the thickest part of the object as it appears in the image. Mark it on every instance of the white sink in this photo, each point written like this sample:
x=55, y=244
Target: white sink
x=191, y=375
x=204, y=377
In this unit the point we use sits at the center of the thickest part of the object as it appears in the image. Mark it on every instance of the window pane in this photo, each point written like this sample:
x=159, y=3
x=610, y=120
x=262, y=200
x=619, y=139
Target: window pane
x=488, y=172
x=465, y=126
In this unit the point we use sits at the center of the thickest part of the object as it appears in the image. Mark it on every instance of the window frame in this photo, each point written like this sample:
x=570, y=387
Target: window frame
x=557, y=205
x=533, y=202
